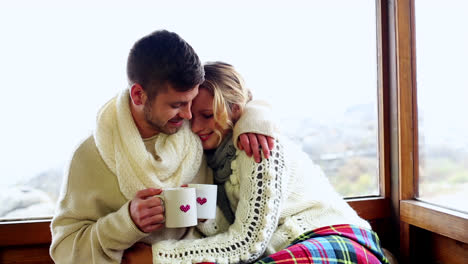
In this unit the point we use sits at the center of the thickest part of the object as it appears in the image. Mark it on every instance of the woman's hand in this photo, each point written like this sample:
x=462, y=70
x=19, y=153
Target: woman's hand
x=139, y=253
x=250, y=143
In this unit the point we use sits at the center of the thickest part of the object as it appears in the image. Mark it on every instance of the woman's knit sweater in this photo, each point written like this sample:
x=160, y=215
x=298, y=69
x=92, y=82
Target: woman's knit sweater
x=274, y=202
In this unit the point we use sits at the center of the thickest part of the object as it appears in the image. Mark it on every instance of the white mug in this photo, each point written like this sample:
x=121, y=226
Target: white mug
x=180, y=207
x=206, y=200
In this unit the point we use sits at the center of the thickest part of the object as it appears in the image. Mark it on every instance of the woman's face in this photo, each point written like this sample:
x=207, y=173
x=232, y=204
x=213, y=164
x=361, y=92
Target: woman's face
x=203, y=122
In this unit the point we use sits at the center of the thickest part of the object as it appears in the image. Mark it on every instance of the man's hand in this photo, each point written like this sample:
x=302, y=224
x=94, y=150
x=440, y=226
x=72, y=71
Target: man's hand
x=146, y=211
x=139, y=253
x=250, y=142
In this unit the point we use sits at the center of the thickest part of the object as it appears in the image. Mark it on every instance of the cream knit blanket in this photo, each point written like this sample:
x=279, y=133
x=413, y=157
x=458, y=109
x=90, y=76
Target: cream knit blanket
x=123, y=150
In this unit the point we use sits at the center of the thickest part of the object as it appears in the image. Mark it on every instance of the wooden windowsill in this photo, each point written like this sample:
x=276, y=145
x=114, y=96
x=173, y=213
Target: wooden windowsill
x=446, y=222
x=371, y=208
x=25, y=233
x=31, y=232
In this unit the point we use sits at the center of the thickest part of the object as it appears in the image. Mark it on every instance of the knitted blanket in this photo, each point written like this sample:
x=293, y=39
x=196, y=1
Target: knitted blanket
x=123, y=150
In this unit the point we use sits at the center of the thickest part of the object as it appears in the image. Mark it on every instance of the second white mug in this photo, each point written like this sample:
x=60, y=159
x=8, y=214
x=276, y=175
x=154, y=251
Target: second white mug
x=206, y=200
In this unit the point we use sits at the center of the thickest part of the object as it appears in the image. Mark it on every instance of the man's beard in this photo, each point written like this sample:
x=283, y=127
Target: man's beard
x=162, y=128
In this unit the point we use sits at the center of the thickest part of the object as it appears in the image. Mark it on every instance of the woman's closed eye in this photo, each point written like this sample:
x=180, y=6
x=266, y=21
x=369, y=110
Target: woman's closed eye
x=207, y=116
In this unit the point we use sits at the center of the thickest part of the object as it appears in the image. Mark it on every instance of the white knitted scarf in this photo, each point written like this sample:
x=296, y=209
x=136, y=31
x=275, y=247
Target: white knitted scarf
x=123, y=150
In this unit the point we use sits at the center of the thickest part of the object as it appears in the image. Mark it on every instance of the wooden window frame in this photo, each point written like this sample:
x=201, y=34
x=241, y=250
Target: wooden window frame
x=436, y=219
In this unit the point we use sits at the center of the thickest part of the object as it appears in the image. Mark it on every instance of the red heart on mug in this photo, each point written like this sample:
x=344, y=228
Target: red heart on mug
x=201, y=201
x=185, y=208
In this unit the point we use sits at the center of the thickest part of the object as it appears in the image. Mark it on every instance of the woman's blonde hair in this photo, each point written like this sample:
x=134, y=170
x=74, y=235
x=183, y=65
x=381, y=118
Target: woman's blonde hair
x=228, y=90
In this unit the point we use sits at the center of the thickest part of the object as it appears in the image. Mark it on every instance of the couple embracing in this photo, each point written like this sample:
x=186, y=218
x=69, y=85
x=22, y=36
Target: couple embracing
x=274, y=203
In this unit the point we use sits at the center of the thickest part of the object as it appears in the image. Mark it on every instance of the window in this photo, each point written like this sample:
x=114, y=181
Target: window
x=441, y=57
x=431, y=221
x=314, y=61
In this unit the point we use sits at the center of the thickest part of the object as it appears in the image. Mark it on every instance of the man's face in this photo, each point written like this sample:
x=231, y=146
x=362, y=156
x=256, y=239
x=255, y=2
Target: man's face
x=167, y=111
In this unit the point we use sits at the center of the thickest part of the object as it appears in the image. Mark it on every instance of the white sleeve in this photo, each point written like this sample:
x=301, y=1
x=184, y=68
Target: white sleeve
x=84, y=228
x=258, y=118
x=256, y=218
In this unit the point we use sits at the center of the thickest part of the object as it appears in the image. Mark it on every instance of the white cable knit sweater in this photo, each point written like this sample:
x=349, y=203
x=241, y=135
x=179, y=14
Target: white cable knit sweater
x=274, y=202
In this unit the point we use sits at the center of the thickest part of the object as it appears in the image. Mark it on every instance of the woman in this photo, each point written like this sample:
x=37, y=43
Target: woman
x=283, y=201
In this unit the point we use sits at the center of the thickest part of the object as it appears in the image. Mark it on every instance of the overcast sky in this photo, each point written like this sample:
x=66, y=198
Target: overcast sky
x=61, y=60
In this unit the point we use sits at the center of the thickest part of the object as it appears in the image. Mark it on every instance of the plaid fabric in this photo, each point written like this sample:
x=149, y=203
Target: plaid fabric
x=345, y=244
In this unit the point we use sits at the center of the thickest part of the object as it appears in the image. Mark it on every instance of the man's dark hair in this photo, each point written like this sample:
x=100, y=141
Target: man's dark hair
x=164, y=57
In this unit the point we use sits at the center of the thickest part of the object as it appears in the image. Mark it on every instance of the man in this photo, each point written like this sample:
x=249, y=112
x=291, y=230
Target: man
x=141, y=145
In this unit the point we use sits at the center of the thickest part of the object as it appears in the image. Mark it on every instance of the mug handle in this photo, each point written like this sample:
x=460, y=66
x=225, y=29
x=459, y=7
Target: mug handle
x=161, y=197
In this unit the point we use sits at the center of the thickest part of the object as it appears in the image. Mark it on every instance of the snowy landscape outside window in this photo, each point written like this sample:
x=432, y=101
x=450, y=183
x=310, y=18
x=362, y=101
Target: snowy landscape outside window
x=314, y=61
x=442, y=86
